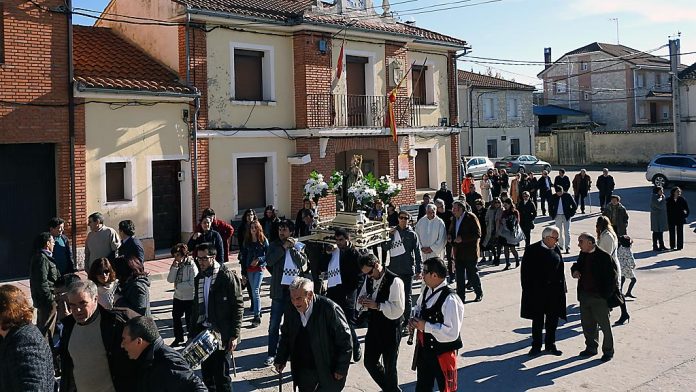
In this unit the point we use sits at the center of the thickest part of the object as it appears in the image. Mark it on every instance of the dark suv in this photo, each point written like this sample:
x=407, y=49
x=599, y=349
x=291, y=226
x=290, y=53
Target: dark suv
x=674, y=168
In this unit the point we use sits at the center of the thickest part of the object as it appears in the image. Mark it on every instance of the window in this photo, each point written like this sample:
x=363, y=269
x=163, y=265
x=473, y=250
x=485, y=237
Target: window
x=515, y=148
x=118, y=182
x=641, y=112
x=248, y=75
x=561, y=87
x=492, y=148
x=2, y=34
x=513, y=108
x=251, y=183
x=418, y=82
x=658, y=80
x=684, y=162
x=584, y=66
x=490, y=108
x=640, y=80
x=586, y=96
x=665, y=112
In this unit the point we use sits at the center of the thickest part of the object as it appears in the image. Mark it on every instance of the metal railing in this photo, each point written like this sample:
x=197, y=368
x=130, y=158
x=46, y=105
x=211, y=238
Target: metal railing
x=360, y=111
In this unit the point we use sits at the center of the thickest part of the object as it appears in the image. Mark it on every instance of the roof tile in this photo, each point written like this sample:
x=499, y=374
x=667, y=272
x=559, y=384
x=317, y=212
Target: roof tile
x=485, y=81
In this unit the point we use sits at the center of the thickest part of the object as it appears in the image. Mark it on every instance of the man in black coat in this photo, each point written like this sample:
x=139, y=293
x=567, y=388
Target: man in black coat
x=562, y=180
x=544, y=289
x=210, y=236
x=605, y=186
x=445, y=195
x=160, y=367
x=544, y=186
x=527, y=215
x=315, y=337
x=562, y=208
x=218, y=305
x=598, y=292
x=130, y=245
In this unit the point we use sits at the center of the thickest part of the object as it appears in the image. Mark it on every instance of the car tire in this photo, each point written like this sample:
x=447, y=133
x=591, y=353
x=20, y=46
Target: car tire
x=521, y=170
x=659, y=180
x=547, y=168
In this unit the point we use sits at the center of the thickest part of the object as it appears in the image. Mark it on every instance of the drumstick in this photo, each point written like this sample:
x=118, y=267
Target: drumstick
x=234, y=363
x=280, y=381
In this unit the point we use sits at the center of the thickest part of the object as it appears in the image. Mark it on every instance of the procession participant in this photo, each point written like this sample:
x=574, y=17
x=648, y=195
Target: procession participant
x=445, y=195
x=562, y=180
x=544, y=188
x=90, y=344
x=307, y=206
x=605, y=186
x=382, y=297
x=285, y=261
x=223, y=228
x=62, y=252
x=207, y=235
x=344, y=279
x=252, y=256
x=609, y=242
x=581, y=187
x=465, y=235
x=102, y=241
x=597, y=284
x=440, y=318
x=182, y=273
x=219, y=305
x=527, y=215
x=160, y=368
x=432, y=234
x=677, y=212
x=130, y=245
x=472, y=196
x=405, y=257
x=617, y=214
x=424, y=203
x=133, y=285
x=43, y=275
x=562, y=208
x=315, y=339
x=269, y=222
x=544, y=289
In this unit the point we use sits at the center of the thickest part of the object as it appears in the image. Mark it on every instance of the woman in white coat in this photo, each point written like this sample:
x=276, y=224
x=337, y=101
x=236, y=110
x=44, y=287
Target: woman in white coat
x=485, y=186
x=609, y=242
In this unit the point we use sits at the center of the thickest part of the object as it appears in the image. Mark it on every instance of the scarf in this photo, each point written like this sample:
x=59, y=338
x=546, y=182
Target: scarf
x=212, y=271
x=334, y=271
x=397, y=248
x=290, y=270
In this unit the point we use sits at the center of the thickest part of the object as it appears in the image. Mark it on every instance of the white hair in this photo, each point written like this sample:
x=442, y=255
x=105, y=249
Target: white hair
x=431, y=207
x=302, y=283
x=550, y=229
x=83, y=286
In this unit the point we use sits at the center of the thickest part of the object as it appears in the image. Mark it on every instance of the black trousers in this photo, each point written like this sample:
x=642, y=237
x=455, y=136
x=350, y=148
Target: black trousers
x=408, y=290
x=383, y=341
x=545, y=198
x=548, y=322
x=428, y=372
x=580, y=200
x=181, y=308
x=468, y=269
x=658, y=240
x=604, y=198
x=527, y=236
x=216, y=372
x=676, y=232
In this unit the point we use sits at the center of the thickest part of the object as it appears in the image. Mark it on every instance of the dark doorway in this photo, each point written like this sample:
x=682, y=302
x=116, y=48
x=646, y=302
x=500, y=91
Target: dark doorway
x=28, y=201
x=653, y=112
x=422, y=169
x=251, y=183
x=355, y=85
x=492, y=148
x=166, y=203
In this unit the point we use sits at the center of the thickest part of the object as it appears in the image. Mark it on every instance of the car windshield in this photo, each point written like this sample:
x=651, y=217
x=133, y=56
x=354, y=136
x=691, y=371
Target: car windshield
x=509, y=158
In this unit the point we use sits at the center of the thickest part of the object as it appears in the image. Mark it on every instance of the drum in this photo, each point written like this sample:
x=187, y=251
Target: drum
x=201, y=347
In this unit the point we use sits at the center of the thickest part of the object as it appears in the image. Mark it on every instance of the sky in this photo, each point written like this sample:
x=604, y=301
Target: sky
x=521, y=29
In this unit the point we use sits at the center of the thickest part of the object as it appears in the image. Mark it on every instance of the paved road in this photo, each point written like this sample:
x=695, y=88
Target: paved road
x=655, y=351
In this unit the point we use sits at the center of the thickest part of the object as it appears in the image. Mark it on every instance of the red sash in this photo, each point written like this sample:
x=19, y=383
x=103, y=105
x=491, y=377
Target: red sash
x=448, y=365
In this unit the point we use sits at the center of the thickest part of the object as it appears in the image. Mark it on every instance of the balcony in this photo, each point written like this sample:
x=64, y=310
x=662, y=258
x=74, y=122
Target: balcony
x=359, y=111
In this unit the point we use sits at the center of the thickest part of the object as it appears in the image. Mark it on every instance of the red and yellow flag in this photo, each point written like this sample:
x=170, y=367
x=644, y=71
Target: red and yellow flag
x=391, y=118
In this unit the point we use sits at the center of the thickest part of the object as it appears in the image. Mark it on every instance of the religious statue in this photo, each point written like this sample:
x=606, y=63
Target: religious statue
x=354, y=175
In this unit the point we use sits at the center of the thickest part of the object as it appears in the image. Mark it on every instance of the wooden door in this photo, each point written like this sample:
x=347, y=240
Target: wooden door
x=166, y=203
x=355, y=85
x=422, y=169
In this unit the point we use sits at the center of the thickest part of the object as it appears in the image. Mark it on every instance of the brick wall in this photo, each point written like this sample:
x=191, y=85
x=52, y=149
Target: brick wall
x=313, y=74
x=35, y=71
x=398, y=51
x=452, y=87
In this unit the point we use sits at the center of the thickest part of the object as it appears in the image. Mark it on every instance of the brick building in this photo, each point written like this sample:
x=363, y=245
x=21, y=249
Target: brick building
x=35, y=146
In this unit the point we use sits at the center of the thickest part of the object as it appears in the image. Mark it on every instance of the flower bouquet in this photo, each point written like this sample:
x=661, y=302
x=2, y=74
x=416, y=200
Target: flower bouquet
x=386, y=189
x=336, y=182
x=315, y=187
x=362, y=192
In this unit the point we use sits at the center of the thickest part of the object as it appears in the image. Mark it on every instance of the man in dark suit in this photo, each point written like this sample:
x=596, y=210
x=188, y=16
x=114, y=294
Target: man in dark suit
x=544, y=187
x=130, y=245
x=562, y=208
x=465, y=233
x=562, y=180
x=544, y=289
x=598, y=286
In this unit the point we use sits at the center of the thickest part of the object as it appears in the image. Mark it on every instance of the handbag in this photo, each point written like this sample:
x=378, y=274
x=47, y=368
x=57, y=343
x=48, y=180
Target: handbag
x=519, y=234
x=616, y=299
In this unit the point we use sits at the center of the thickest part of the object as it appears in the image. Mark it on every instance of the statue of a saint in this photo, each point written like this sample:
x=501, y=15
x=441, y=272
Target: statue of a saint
x=354, y=174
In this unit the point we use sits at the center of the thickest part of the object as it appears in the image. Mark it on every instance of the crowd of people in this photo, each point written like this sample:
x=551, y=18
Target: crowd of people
x=106, y=339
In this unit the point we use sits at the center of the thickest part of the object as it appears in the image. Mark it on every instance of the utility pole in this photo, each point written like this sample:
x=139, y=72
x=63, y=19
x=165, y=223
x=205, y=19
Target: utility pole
x=674, y=58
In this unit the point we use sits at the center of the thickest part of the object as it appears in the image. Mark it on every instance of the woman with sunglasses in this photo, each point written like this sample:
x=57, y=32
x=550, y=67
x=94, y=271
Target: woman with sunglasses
x=103, y=275
x=508, y=231
x=182, y=273
x=495, y=211
x=253, y=259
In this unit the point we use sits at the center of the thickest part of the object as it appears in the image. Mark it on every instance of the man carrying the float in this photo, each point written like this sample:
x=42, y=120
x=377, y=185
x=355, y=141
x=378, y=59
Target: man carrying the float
x=439, y=320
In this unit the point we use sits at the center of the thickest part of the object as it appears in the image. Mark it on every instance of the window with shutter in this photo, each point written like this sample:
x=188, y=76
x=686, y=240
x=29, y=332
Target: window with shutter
x=248, y=75
x=419, y=86
x=116, y=181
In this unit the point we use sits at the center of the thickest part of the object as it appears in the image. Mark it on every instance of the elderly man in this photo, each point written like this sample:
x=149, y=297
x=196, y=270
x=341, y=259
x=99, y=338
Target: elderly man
x=617, y=214
x=160, y=368
x=544, y=289
x=43, y=276
x=465, y=234
x=219, y=306
x=432, y=233
x=544, y=188
x=439, y=321
x=90, y=346
x=605, y=186
x=405, y=257
x=102, y=241
x=581, y=187
x=382, y=297
x=316, y=340
x=562, y=208
x=598, y=287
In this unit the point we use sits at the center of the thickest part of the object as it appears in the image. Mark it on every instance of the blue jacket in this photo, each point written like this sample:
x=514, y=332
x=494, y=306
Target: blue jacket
x=132, y=247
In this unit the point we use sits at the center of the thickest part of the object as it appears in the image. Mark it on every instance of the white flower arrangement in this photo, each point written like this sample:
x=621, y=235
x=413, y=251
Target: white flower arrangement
x=315, y=187
x=387, y=189
x=362, y=192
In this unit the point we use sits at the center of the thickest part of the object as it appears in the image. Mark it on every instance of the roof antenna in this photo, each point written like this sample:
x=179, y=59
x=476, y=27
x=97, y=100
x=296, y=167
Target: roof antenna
x=617, y=28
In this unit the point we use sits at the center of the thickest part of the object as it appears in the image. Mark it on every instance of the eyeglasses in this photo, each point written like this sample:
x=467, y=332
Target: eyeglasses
x=403, y=218
x=370, y=272
x=106, y=272
x=553, y=238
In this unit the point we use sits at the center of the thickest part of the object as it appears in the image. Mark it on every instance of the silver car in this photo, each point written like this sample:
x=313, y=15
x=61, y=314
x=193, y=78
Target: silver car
x=671, y=168
x=523, y=164
x=478, y=166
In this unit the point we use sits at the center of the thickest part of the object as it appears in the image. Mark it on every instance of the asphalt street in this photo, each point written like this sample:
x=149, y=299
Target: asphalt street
x=655, y=351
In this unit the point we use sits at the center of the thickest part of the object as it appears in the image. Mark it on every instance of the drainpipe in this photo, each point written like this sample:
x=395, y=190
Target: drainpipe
x=471, y=120
x=194, y=129
x=71, y=127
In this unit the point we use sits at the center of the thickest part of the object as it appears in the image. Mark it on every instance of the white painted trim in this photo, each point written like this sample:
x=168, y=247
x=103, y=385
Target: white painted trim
x=148, y=192
x=129, y=181
x=370, y=77
x=271, y=177
x=129, y=97
x=267, y=71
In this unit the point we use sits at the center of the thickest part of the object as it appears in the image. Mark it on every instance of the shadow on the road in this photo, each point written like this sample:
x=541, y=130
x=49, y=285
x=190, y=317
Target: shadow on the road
x=682, y=263
x=265, y=382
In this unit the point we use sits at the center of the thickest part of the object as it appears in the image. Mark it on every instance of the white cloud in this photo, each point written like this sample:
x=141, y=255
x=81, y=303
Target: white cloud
x=653, y=11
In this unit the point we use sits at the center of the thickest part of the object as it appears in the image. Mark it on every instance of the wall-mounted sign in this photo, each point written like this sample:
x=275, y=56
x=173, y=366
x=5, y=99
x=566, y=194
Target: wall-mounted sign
x=402, y=164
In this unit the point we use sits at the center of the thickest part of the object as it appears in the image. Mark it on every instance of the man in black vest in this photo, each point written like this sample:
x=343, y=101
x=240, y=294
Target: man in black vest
x=544, y=186
x=441, y=314
x=382, y=297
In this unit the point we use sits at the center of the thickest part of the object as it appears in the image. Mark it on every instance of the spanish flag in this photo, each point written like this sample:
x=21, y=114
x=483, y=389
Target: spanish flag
x=391, y=118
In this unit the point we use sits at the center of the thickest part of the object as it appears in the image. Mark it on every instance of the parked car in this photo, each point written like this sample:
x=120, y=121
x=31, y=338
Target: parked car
x=674, y=168
x=478, y=165
x=522, y=164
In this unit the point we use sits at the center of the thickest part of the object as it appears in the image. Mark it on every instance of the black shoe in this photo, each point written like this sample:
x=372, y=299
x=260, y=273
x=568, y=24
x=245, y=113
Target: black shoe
x=587, y=353
x=176, y=343
x=517, y=264
x=656, y=249
x=507, y=267
x=582, y=211
x=256, y=322
x=630, y=295
x=478, y=298
x=607, y=357
x=357, y=354
x=663, y=249
x=568, y=250
x=554, y=351
x=625, y=319
x=534, y=352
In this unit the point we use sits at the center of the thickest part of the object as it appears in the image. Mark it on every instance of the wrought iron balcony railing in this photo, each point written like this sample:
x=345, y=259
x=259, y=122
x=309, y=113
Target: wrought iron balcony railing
x=359, y=111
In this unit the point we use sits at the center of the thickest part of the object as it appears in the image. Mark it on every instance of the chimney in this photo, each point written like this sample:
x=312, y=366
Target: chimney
x=547, y=57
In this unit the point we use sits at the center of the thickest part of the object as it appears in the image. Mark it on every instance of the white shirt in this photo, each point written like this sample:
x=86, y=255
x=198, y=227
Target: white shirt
x=304, y=317
x=559, y=211
x=394, y=307
x=609, y=243
x=206, y=290
x=431, y=234
x=452, y=309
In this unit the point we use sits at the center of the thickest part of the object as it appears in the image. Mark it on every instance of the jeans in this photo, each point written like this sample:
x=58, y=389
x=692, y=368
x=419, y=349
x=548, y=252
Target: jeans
x=564, y=225
x=408, y=289
x=255, y=279
x=278, y=307
x=181, y=308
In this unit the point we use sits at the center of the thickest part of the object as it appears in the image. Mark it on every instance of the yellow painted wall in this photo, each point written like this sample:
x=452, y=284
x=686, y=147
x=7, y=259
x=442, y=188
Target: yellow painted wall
x=222, y=112
x=440, y=161
x=437, y=64
x=223, y=189
x=137, y=134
